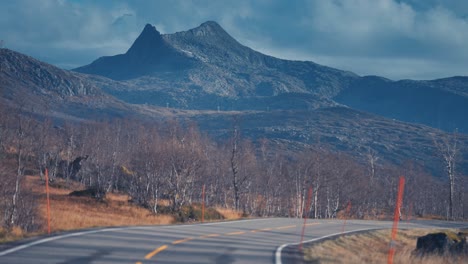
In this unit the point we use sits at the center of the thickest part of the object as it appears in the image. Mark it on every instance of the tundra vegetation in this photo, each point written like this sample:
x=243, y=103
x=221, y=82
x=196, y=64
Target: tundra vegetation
x=162, y=167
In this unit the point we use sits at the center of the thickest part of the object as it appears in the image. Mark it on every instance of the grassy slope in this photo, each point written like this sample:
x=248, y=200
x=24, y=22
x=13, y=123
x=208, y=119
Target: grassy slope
x=72, y=213
x=68, y=213
x=372, y=247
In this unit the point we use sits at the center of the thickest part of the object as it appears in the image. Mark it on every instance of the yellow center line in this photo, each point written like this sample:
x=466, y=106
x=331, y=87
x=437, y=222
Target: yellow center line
x=156, y=251
x=161, y=248
x=235, y=233
x=138, y=263
x=312, y=224
x=182, y=240
x=285, y=227
x=260, y=230
x=211, y=235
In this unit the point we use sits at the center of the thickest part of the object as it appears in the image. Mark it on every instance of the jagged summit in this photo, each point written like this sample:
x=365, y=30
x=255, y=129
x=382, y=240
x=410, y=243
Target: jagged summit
x=149, y=28
x=148, y=41
x=208, y=33
x=150, y=47
x=150, y=53
x=209, y=42
x=209, y=28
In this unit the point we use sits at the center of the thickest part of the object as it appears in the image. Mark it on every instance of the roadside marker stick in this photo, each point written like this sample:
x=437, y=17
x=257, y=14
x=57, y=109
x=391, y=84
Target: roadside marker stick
x=203, y=204
x=396, y=219
x=306, y=212
x=348, y=209
x=48, y=200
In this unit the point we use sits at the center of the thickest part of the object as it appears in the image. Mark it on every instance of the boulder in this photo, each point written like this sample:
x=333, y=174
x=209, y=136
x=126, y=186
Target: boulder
x=93, y=192
x=442, y=243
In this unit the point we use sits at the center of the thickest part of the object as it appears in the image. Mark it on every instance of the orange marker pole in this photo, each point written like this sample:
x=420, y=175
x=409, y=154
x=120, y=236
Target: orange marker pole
x=396, y=219
x=203, y=204
x=348, y=209
x=306, y=212
x=48, y=200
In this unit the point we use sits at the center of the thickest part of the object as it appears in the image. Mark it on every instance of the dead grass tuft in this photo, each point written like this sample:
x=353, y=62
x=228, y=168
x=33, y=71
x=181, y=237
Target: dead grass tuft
x=15, y=234
x=372, y=247
x=229, y=214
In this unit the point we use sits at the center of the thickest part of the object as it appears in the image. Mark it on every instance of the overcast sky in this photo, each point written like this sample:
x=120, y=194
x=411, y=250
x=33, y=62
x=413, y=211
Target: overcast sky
x=397, y=39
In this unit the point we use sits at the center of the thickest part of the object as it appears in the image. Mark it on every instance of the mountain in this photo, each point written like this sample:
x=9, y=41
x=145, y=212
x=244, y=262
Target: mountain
x=205, y=75
x=149, y=53
x=205, y=68
x=215, y=69
x=43, y=89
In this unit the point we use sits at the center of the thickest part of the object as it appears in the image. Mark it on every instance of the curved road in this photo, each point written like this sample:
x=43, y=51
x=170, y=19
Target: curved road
x=245, y=241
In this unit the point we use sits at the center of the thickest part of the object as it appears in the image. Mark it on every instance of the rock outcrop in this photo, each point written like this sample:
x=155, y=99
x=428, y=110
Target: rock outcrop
x=448, y=243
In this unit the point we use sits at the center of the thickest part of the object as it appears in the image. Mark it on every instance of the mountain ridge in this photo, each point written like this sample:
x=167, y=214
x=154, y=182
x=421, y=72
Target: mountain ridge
x=336, y=128
x=214, y=71
x=226, y=68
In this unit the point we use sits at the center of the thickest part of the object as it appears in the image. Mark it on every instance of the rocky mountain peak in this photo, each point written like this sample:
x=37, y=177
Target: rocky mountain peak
x=148, y=41
x=149, y=54
x=208, y=33
x=209, y=28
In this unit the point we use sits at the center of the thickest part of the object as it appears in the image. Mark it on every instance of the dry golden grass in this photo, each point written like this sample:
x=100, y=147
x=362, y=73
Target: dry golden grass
x=229, y=214
x=72, y=213
x=15, y=234
x=372, y=247
x=69, y=213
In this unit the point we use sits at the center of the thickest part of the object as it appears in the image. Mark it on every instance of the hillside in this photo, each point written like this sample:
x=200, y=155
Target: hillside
x=45, y=90
x=340, y=129
x=294, y=121
x=441, y=104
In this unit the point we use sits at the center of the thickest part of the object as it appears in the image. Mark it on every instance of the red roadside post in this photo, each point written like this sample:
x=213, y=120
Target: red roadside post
x=203, y=204
x=348, y=209
x=396, y=219
x=48, y=200
x=306, y=212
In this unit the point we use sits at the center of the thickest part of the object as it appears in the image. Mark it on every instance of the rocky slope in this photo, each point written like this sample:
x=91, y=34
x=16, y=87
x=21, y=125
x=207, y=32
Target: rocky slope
x=42, y=77
x=41, y=88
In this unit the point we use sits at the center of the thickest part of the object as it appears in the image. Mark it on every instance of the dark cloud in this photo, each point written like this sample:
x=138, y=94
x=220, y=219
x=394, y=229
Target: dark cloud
x=420, y=39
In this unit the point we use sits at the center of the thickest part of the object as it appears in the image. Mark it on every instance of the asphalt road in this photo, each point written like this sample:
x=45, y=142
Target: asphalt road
x=246, y=241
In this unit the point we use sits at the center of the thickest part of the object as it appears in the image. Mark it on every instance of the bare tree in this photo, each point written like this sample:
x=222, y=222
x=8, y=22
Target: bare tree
x=17, y=205
x=448, y=149
x=235, y=156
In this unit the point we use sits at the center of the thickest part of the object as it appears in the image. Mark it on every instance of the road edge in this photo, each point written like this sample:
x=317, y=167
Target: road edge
x=278, y=251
